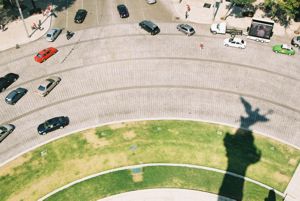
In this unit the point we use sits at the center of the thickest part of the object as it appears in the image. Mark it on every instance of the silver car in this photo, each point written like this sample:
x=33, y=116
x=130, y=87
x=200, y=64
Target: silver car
x=296, y=41
x=52, y=34
x=5, y=130
x=47, y=85
x=185, y=28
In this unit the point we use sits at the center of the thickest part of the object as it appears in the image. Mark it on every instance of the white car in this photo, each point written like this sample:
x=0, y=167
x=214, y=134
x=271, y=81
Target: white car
x=235, y=42
x=47, y=85
x=52, y=34
x=151, y=1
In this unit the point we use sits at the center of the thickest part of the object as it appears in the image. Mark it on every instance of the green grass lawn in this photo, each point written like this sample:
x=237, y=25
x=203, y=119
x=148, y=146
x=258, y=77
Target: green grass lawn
x=153, y=177
x=70, y=158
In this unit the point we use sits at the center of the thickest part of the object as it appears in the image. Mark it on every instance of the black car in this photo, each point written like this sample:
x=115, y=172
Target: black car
x=80, y=16
x=123, y=11
x=7, y=80
x=15, y=95
x=149, y=27
x=53, y=124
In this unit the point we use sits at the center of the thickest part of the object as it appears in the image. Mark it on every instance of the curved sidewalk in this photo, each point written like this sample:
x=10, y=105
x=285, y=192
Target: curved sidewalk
x=159, y=164
x=165, y=194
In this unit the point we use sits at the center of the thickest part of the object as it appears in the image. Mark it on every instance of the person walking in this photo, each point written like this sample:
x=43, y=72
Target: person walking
x=186, y=14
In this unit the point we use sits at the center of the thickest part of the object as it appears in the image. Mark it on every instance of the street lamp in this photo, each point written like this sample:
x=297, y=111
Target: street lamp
x=21, y=14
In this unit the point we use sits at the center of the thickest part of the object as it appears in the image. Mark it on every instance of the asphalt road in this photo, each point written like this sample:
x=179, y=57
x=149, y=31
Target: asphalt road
x=118, y=72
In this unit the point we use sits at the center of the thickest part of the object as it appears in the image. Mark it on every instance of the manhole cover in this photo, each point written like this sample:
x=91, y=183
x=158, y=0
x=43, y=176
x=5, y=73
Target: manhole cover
x=207, y=5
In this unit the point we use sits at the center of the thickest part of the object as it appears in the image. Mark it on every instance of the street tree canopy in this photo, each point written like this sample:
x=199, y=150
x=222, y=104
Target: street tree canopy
x=242, y=2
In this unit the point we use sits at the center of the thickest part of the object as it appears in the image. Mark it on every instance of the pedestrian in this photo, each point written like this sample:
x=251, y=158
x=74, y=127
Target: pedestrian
x=186, y=15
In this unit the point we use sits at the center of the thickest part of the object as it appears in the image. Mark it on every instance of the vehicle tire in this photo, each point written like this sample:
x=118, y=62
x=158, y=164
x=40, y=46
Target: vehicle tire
x=226, y=45
x=43, y=60
x=214, y=32
x=276, y=52
x=289, y=54
x=61, y=127
x=15, y=79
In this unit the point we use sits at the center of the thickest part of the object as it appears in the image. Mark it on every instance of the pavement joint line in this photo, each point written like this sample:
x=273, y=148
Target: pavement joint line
x=161, y=58
x=148, y=87
x=160, y=165
x=141, y=119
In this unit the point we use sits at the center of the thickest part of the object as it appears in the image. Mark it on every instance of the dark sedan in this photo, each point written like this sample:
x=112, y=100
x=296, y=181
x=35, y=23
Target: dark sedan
x=52, y=125
x=80, y=16
x=7, y=80
x=123, y=11
x=15, y=95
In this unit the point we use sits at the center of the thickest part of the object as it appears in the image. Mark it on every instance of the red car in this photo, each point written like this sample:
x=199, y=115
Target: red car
x=45, y=54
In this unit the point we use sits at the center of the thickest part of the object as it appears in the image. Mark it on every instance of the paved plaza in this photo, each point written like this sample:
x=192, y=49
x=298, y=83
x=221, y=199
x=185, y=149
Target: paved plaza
x=137, y=76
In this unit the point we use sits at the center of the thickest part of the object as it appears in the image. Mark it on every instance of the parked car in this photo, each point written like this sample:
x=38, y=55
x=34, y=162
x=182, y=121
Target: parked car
x=296, y=41
x=151, y=1
x=123, y=11
x=235, y=42
x=185, y=28
x=80, y=16
x=52, y=34
x=53, y=124
x=5, y=130
x=44, y=54
x=283, y=49
x=15, y=95
x=7, y=80
x=149, y=27
x=47, y=85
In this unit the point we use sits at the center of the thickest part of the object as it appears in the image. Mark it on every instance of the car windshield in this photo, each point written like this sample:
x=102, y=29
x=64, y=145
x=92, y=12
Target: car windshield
x=47, y=124
x=242, y=41
x=3, y=130
x=298, y=38
x=42, y=88
x=39, y=55
x=49, y=35
x=191, y=29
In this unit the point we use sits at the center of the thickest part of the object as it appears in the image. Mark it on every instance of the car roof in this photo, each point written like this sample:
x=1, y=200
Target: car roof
x=149, y=23
x=237, y=39
x=286, y=46
x=51, y=31
x=187, y=26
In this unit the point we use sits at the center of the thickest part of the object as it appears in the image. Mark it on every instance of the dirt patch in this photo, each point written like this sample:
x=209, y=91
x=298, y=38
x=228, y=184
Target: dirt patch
x=116, y=126
x=128, y=135
x=293, y=161
x=74, y=169
x=282, y=177
x=93, y=139
x=8, y=168
x=137, y=177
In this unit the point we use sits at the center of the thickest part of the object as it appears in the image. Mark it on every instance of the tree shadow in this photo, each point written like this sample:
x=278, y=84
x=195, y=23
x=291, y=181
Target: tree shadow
x=241, y=152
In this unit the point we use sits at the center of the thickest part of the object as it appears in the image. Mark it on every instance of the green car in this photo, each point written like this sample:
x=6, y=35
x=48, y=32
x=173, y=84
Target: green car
x=283, y=49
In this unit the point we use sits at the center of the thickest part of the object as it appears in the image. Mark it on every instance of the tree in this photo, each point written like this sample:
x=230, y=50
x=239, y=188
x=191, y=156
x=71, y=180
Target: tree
x=242, y=2
x=283, y=10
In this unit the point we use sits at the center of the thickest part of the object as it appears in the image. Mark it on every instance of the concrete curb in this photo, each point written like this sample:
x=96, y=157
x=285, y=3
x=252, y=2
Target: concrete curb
x=147, y=119
x=160, y=164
